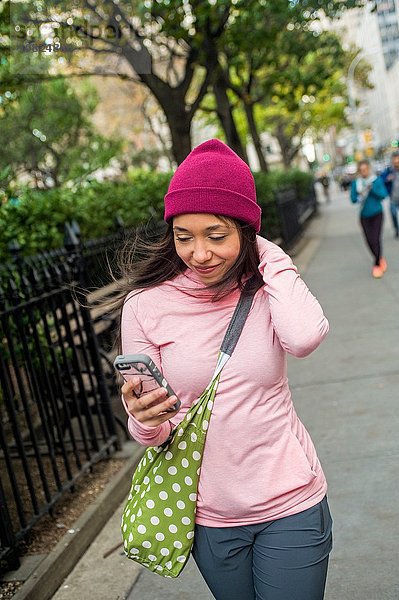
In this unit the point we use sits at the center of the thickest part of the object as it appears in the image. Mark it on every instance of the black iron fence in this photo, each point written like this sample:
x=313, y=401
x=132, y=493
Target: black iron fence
x=56, y=419
x=294, y=210
x=56, y=376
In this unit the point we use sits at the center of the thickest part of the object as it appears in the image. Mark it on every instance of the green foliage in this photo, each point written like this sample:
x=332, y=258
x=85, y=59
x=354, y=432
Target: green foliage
x=294, y=59
x=53, y=140
x=304, y=91
x=268, y=184
x=190, y=39
x=36, y=219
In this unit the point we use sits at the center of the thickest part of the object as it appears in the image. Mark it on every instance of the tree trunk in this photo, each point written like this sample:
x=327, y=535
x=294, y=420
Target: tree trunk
x=172, y=103
x=180, y=131
x=249, y=112
x=285, y=145
x=225, y=114
x=293, y=152
x=172, y=100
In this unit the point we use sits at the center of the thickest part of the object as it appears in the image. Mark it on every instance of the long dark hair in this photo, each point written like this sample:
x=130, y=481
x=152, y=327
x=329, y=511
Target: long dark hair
x=148, y=260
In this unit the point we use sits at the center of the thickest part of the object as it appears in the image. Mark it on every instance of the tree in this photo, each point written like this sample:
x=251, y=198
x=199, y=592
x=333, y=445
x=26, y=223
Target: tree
x=172, y=47
x=163, y=47
x=246, y=71
x=283, y=34
x=312, y=96
x=307, y=92
x=52, y=138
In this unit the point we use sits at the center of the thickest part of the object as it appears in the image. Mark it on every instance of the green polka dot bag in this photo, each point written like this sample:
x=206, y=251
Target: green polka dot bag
x=158, y=521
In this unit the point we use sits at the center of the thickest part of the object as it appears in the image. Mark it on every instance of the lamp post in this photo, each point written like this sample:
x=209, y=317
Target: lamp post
x=351, y=96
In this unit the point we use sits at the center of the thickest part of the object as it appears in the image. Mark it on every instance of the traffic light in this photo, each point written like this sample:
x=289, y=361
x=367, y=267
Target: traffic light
x=368, y=137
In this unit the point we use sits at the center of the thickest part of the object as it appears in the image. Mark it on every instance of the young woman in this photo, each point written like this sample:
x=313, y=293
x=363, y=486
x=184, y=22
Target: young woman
x=368, y=190
x=263, y=526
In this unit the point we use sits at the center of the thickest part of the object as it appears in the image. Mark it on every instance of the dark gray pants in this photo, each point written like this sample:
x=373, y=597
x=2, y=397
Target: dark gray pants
x=372, y=229
x=285, y=559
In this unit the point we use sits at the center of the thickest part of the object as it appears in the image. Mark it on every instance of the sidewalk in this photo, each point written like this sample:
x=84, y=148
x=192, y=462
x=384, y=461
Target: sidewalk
x=346, y=394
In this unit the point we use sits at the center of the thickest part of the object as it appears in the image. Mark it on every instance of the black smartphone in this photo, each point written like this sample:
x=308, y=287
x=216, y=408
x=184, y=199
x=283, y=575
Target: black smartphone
x=141, y=365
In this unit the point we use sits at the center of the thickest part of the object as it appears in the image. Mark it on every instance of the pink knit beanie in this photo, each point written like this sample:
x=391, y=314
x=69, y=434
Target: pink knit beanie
x=213, y=179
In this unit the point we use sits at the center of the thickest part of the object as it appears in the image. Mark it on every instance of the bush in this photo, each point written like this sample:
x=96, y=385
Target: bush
x=268, y=184
x=265, y=191
x=36, y=219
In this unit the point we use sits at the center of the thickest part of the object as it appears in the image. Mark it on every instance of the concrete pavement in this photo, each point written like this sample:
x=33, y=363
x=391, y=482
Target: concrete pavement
x=346, y=393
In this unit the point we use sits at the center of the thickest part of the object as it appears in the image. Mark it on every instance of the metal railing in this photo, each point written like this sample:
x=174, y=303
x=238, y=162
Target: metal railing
x=294, y=211
x=56, y=419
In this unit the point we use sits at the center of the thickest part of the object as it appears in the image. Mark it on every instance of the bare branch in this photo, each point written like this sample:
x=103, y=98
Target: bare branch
x=188, y=75
x=218, y=32
x=118, y=12
x=94, y=50
x=251, y=75
x=294, y=151
x=203, y=90
x=172, y=68
x=77, y=29
x=94, y=9
x=41, y=78
x=237, y=90
x=156, y=132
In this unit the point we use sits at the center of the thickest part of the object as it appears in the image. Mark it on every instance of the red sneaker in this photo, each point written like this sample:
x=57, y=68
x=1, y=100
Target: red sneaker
x=377, y=272
x=383, y=264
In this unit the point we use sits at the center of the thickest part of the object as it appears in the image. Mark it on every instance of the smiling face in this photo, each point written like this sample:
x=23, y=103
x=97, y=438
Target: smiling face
x=204, y=240
x=364, y=170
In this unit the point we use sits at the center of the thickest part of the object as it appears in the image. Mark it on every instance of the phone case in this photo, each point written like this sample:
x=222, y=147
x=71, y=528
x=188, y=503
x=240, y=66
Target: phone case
x=130, y=365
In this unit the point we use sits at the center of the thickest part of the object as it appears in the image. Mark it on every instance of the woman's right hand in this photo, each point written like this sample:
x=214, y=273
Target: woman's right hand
x=150, y=408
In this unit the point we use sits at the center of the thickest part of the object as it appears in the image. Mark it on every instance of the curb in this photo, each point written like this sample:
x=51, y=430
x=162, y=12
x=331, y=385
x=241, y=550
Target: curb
x=308, y=244
x=51, y=572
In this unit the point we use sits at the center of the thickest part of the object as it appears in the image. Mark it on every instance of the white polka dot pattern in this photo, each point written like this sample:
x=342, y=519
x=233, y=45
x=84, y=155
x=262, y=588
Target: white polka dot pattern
x=159, y=518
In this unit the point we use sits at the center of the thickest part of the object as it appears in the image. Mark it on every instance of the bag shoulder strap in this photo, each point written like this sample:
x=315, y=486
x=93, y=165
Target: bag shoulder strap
x=234, y=329
x=238, y=319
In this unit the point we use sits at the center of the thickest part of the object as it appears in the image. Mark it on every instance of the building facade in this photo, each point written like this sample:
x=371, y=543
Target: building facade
x=375, y=31
x=388, y=23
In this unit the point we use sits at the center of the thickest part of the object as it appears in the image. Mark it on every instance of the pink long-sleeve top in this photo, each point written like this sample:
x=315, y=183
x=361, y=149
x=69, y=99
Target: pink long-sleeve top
x=259, y=461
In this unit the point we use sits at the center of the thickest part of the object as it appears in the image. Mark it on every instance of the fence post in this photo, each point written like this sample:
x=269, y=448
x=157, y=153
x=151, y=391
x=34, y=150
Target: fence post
x=119, y=224
x=76, y=229
x=288, y=213
x=14, y=248
x=7, y=537
x=73, y=245
x=71, y=240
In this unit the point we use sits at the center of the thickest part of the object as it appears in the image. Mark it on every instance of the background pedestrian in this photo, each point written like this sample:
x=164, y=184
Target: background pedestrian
x=325, y=182
x=368, y=191
x=390, y=178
